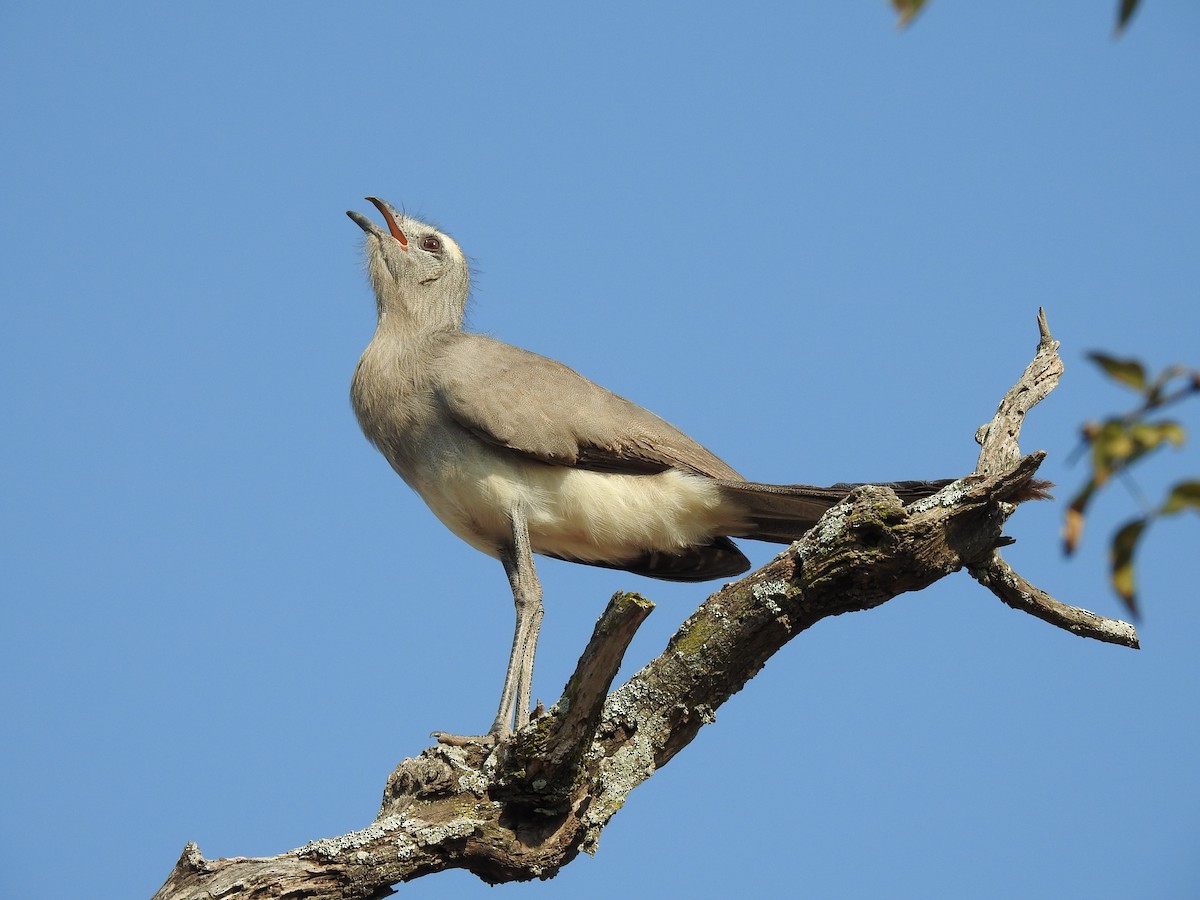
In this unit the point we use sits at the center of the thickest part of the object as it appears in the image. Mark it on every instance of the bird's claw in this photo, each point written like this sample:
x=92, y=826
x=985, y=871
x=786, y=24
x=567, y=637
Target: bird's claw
x=491, y=739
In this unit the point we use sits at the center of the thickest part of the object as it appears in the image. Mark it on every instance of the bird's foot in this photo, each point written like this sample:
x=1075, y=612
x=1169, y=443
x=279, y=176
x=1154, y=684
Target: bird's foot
x=500, y=732
x=491, y=739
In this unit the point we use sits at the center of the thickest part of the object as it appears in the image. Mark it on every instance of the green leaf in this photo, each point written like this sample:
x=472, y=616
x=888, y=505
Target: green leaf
x=1149, y=436
x=1121, y=555
x=1125, y=13
x=1112, y=446
x=1073, y=524
x=908, y=9
x=1172, y=433
x=1072, y=529
x=1184, y=495
x=1128, y=372
x=1158, y=387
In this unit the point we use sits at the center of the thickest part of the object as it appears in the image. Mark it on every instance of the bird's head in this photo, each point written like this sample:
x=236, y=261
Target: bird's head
x=418, y=273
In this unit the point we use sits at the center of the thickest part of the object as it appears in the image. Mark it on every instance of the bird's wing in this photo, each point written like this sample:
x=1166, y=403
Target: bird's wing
x=540, y=408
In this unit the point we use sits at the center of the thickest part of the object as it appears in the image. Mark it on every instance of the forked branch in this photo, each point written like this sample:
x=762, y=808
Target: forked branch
x=998, y=441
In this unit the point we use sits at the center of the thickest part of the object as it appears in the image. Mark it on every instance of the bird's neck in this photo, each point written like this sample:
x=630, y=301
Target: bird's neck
x=404, y=342
x=418, y=311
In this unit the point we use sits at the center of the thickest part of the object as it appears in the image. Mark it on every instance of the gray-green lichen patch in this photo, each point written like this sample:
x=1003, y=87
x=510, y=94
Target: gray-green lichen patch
x=632, y=762
x=950, y=495
x=459, y=827
x=768, y=594
x=699, y=629
x=329, y=847
x=696, y=632
x=406, y=833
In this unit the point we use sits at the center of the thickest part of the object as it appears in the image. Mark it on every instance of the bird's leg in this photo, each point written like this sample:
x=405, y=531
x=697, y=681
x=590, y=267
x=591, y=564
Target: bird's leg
x=527, y=594
x=518, y=680
x=527, y=597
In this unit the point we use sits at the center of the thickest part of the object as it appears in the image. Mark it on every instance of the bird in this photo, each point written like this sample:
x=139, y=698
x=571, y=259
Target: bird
x=518, y=454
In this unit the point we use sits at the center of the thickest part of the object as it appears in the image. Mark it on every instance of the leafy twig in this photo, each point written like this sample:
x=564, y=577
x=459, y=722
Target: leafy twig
x=908, y=10
x=1119, y=442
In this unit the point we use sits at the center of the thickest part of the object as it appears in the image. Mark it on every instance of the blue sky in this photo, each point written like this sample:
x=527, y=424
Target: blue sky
x=814, y=242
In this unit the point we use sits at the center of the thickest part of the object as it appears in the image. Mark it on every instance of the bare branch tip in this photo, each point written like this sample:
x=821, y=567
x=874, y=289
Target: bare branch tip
x=1045, y=339
x=1016, y=592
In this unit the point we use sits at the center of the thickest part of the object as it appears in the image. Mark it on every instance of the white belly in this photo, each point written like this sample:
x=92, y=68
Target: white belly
x=573, y=513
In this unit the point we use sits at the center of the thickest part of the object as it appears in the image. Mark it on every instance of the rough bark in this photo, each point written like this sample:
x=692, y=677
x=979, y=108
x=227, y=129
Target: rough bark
x=526, y=808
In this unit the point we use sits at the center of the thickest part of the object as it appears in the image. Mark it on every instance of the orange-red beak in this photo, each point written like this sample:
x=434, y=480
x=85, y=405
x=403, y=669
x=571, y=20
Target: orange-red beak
x=391, y=222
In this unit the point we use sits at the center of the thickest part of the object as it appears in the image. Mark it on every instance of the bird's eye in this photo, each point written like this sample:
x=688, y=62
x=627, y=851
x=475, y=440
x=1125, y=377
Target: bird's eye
x=432, y=244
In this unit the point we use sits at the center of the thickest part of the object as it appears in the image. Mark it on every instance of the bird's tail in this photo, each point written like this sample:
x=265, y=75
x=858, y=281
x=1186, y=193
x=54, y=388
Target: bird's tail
x=784, y=512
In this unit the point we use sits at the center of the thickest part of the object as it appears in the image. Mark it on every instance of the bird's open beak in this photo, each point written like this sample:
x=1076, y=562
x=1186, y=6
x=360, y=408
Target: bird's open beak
x=388, y=214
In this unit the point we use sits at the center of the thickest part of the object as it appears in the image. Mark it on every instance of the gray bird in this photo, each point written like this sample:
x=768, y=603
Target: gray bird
x=518, y=454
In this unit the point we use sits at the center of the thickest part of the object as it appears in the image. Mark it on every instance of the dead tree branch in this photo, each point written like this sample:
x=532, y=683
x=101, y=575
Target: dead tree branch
x=998, y=442
x=526, y=808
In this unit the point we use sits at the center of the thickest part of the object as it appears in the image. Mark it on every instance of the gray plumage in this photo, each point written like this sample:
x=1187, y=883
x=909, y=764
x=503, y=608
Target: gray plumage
x=518, y=454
